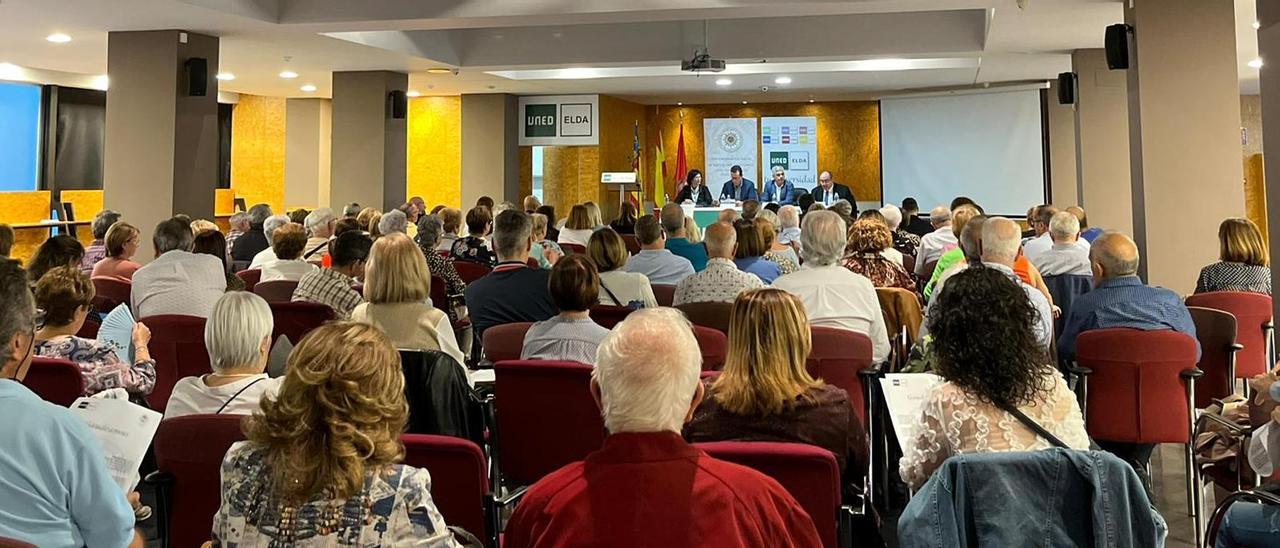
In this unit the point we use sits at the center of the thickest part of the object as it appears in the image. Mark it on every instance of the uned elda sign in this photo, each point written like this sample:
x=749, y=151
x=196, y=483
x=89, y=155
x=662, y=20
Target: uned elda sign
x=560, y=120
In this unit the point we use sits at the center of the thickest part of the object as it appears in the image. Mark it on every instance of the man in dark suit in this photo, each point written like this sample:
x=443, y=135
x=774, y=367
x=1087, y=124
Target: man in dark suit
x=739, y=188
x=829, y=192
x=911, y=220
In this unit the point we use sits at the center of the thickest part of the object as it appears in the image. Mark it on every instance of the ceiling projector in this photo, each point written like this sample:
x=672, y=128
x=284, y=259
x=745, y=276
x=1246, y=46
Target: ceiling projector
x=702, y=62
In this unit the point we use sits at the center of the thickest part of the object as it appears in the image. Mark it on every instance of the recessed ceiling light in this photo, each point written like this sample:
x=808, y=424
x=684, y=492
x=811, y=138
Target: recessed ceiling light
x=723, y=82
x=744, y=102
x=439, y=70
x=308, y=88
x=679, y=103
x=225, y=76
x=1257, y=25
x=1256, y=63
x=782, y=80
x=810, y=100
x=288, y=74
x=412, y=93
x=58, y=38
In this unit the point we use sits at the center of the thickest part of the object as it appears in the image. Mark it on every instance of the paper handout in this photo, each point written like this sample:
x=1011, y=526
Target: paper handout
x=904, y=395
x=124, y=429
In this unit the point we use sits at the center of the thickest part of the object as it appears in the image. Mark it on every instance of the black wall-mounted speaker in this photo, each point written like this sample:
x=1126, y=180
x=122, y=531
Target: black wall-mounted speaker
x=197, y=76
x=1117, y=45
x=399, y=104
x=1067, y=88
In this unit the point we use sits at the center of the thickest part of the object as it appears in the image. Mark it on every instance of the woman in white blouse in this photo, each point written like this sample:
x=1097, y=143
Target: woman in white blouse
x=238, y=336
x=989, y=360
x=578, y=228
x=617, y=288
x=397, y=286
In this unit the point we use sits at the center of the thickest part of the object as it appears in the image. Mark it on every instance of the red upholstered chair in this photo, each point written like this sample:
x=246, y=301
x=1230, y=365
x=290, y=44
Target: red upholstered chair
x=809, y=473
x=664, y=293
x=574, y=249
x=840, y=357
x=1253, y=326
x=459, y=480
x=110, y=293
x=55, y=380
x=533, y=263
x=1216, y=331
x=632, y=243
x=713, y=315
x=546, y=418
x=250, y=277
x=504, y=342
x=440, y=299
x=190, y=450
x=714, y=346
x=6, y=542
x=470, y=271
x=609, y=316
x=177, y=345
x=296, y=319
x=277, y=291
x=89, y=329
x=1139, y=387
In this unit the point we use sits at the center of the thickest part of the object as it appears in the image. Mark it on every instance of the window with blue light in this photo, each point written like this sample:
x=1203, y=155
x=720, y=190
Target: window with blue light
x=19, y=135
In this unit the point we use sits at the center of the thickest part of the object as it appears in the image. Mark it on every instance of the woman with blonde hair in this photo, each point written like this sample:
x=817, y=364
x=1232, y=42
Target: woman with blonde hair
x=321, y=465
x=1244, y=265
x=578, y=228
x=122, y=243
x=597, y=219
x=765, y=393
x=397, y=286
x=617, y=287
x=691, y=230
x=783, y=255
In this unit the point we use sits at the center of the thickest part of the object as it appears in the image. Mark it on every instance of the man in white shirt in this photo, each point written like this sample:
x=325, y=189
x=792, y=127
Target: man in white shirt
x=178, y=281
x=935, y=243
x=1043, y=240
x=834, y=296
x=319, y=224
x=269, y=227
x=287, y=242
x=654, y=260
x=1065, y=256
x=720, y=281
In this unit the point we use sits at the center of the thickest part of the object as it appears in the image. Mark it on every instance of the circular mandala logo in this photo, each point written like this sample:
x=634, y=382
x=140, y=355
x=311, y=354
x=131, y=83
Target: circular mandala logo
x=730, y=140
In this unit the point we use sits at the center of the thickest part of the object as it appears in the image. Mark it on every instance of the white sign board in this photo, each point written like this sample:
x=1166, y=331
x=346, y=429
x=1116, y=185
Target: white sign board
x=728, y=142
x=560, y=120
x=791, y=142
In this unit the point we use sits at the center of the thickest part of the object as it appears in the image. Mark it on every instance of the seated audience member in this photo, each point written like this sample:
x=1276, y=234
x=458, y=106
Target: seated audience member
x=867, y=239
x=238, y=224
x=832, y=295
x=1244, y=264
x=845, y=210
x=97, y=249
x=545, y=251
x=474, y=247
x=749, y=255
x=374, y=223
x=452, y=220
x=7, y=237
x=397, y=287
x=203, y=225
x=1064, y=257
x=267, y=255
x=750, y=208
x=393, y=221
x=971, y=247
x=728, y=216
x=720, y=281
x=805, y=203
x=65, y=295
x=593, y=211
x=570, y=335
x=299, y=215
x=903, y=241
x=486, y=202
x=765, y=393
x=513, y=292
x=351, y=210
x=319, y=225
x=211, y=242
x=617, y=286
x=238, y=337
x=333, y=286
x=692, y=232
x=1043, y=240
x=678, y=238
x=789, y=226
x=429, y=232
x=578, y=228
x=553, y=232
x=941, y=240
x=911, y=218
x=991, y=361
x=324, y=453
x=531, y=204
x=626, y=221
x=60, y=250
x=122, y=241
x=783, y=254
x=177, y=281
x=254, y=240
x=365, y=217
x=647, y=482
x=1087, y=233
x=57, y=490
x=960, y=217
x=655, y=261
x=888, y=251
x=287, y=243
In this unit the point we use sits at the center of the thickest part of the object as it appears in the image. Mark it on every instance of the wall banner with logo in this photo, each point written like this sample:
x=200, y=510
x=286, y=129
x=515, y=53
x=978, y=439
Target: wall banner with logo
x=729, y=142
x=791, y=142
x=560, y=120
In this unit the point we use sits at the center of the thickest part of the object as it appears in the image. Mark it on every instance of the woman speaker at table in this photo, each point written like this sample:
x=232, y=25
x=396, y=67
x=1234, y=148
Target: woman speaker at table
x=695, y=190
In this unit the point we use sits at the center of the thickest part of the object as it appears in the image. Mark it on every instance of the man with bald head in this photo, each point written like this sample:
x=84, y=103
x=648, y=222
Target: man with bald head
x=720, y=281
x=935, y=243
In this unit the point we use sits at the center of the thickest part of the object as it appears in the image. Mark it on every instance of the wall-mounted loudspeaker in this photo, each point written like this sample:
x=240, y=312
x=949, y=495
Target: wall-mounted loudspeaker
x=1117, y=44
x=1067, y=88
x=399, y=104
x=197, y=69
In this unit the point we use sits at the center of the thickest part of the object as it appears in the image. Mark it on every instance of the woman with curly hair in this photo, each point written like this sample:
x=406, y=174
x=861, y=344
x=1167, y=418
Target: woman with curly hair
x=990, y=360
x=865, y=255
x=321, y=464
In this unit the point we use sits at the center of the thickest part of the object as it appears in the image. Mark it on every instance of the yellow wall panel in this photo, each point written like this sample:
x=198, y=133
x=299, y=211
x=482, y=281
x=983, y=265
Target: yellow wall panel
x=85, y=204
x=435, y=150
x=24, y=208
x=258, y=150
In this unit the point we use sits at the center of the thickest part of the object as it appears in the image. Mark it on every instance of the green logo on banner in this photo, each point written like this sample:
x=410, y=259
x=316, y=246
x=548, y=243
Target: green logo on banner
x=780, y=158
x=540, y=121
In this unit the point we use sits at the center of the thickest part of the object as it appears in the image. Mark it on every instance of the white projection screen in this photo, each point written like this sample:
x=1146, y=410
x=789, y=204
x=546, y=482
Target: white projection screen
x=987, y=146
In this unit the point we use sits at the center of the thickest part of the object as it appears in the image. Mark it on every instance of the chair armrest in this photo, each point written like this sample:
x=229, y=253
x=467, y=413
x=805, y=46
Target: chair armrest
x=511, y=498
x=158, y=478
x=873, y=371
x=1236, y=428
x=1076, y=369
x=1193, y=373
x=1235, y=347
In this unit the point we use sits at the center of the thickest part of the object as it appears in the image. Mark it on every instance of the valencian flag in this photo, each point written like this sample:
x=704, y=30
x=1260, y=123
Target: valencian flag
x=634, y=196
